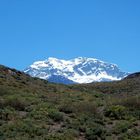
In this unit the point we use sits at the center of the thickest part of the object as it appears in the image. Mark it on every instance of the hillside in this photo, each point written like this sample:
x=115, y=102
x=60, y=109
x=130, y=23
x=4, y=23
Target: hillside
x=34, y=109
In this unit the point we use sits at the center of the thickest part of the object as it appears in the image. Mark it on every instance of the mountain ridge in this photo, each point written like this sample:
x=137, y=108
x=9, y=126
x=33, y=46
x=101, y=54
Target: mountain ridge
x=79, y=70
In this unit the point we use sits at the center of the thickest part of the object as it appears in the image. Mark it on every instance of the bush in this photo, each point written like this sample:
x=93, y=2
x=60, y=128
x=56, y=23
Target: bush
x=66, y=107
x=96, y=132
x=122, y=127
x=86, y=108
x=79, y=107
x=116, y=112
x=3, y=91
x=8, y=114
x=55, y=115
x=59, y=136
x=16, y=103
x=71, y=133
x=131, y=102
x=15, y=130
x=41, y=114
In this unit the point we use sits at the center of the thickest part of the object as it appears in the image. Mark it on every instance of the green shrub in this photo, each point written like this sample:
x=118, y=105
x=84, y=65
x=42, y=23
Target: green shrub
x=59, y=136
x=122, y=127
x=67, y=107
x=116, y=112
x=95, y=132
x=86, y=107
x=3, y=91
x=71, y=133
x=39, y=115
x=16, y=103
x=131, y=134
x=72, y=124
x=8, y=114
x=131, y=102
x=19, y=128
x=55, y=115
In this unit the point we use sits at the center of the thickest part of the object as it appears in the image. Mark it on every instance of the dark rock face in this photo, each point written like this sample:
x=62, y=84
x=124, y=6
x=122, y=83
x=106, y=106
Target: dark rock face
x=134, y=75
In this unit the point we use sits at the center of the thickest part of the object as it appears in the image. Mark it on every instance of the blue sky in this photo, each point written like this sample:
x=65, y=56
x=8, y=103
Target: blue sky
x=32, y=30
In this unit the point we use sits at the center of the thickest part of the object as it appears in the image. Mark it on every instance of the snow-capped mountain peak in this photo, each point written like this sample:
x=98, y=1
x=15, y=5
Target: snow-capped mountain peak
x=78, y=70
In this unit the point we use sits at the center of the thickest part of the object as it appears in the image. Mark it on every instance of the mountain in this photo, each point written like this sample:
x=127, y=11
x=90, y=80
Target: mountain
x=78, y=70
x=59, y=79
x=134, y=76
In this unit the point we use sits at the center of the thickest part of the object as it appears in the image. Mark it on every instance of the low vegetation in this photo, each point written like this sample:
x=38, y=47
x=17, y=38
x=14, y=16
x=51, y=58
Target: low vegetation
x=33, y=109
